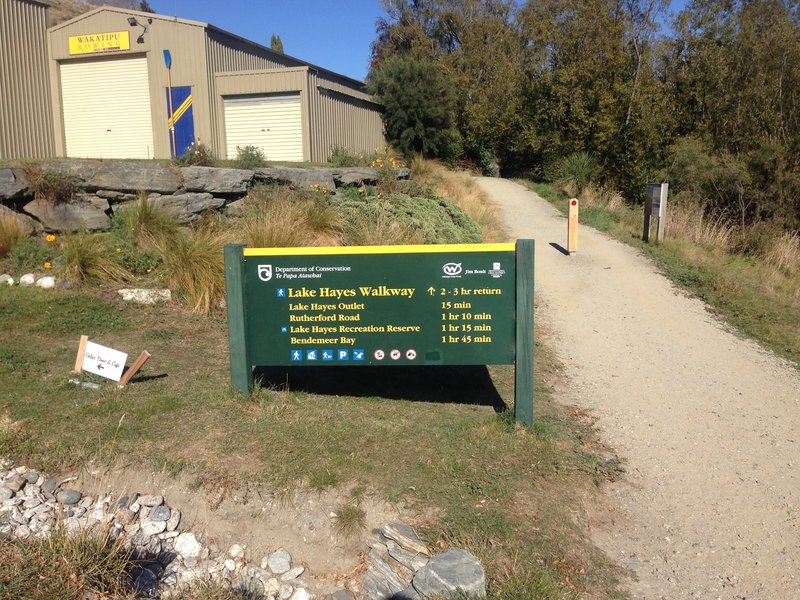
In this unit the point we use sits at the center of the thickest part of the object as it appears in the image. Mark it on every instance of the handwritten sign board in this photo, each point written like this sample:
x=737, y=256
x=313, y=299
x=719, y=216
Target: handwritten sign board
x=100, y=360
x=377, y=305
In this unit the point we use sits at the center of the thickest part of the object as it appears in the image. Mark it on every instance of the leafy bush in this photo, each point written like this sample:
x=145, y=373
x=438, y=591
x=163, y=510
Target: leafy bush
x=85, y=257
x=10, y=233
x=50, y=186
x=402, y=219
x=342, y=157
x=249, y=157
x=197, y=155
x=28, y=254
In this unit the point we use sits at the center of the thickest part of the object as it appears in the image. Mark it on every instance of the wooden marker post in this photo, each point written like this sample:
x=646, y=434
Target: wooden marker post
x=572, y=227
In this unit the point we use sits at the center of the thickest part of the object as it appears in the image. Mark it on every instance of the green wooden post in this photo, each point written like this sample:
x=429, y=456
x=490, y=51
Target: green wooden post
x=241, y=370
x=523, y=361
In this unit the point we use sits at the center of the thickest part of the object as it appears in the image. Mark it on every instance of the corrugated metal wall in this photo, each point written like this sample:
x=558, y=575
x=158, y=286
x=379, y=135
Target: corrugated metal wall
x=341, y=116
x=184, y=40
x=26, y=124
x=226, y=54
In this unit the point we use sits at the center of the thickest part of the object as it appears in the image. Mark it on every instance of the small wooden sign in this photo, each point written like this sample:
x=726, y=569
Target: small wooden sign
x=106, y=362
x=572, y=227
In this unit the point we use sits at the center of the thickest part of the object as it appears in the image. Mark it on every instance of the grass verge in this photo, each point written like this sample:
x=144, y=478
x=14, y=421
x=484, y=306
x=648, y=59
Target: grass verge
x=760, y=296
x=442, y=442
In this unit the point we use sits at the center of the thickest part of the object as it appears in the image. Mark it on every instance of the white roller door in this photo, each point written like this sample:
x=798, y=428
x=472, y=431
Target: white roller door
x=106, y=107
x=272, y=123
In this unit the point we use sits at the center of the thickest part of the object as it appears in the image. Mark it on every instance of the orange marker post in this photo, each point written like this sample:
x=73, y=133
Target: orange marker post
x=572, y=227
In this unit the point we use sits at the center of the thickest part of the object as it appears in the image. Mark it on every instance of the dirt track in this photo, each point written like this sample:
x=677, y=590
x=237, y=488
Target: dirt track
x=708, y=424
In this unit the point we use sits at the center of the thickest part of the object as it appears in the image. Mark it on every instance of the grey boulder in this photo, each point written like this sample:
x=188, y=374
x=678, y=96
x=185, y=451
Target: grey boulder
x=216, y=181
x=83, y=212
x=449, y=574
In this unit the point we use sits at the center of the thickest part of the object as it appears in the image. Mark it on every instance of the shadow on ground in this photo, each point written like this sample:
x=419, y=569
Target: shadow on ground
x=451, y=384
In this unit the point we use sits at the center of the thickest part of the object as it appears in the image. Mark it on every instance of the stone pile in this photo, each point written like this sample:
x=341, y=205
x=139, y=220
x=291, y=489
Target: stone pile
x=28, y=279
x=399, y=566
x=105, y=187
x=167, y=558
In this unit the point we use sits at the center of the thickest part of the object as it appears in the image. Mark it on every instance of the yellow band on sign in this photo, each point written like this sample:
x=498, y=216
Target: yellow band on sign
x=323, y=250
x=99, y=42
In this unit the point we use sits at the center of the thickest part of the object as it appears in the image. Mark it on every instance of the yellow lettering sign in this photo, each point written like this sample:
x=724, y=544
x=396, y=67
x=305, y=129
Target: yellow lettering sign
x=99, y=42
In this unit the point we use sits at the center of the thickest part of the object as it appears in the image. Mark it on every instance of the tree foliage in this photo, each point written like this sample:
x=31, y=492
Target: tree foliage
x=420, y=106
x=539, y=80
x=275, y=43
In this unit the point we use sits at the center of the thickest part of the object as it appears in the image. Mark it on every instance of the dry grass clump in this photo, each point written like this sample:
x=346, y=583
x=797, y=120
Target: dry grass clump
x=602, y=197
x=349, y=520
x=50, y=186
x=461, y=189
x=284, y=218
x=194, y=259
x=10, y=233
x=785, y=253
x=690, y=222
x=85, y=564
x=85, y=257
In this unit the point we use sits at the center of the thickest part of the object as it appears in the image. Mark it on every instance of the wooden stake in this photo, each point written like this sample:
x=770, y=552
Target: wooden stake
x=572, y=227
x=81, y=352
x=143, y=357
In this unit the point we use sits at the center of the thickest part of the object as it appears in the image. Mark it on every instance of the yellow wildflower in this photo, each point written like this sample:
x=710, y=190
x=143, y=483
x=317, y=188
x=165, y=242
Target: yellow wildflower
x=48, y=265
x=51, y=238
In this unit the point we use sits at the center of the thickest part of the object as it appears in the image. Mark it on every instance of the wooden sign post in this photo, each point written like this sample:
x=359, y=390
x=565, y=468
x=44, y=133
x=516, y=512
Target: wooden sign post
x=572, y=227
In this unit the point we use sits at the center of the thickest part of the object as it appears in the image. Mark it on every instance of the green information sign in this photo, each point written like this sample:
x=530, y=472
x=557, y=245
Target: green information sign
x=378, y=305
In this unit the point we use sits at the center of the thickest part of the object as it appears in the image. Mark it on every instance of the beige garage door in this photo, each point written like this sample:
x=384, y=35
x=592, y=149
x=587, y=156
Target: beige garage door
x=273, y=123
x=107, y=108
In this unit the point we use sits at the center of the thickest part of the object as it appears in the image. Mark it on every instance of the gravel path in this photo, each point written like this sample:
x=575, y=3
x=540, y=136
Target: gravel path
x=708, y=423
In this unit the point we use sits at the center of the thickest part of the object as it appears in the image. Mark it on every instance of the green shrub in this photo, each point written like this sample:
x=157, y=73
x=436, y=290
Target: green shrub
x=249, y=157
x=197, y=155
x=28, y=254
x=342, y=157
x=10, y=233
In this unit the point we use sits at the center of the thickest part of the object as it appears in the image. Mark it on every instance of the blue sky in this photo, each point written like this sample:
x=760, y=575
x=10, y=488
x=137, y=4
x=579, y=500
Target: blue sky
x=334, y=34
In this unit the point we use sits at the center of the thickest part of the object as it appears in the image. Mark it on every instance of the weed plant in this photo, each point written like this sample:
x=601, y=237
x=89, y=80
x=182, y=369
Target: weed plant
x=197, y=155
x=249, y=157
x=50, y=186
x=10, y=233
x=349, y=520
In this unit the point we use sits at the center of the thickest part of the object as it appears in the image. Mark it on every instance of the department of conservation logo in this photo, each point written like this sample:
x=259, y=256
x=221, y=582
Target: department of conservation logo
x=265, y=272
x=452, y=270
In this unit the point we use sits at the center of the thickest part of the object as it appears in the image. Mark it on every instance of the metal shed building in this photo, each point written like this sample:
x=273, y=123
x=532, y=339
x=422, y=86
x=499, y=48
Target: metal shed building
x=25, y=116
x=112, y=96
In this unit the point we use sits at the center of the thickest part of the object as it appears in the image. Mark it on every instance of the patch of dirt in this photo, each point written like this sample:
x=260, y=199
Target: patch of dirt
x=299, y=520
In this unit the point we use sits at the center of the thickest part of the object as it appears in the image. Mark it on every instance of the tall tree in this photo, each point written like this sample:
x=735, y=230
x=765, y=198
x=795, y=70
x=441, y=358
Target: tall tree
x=275, y=43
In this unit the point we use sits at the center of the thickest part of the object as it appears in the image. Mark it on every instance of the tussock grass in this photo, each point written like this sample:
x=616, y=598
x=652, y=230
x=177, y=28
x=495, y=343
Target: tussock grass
x=378, y=227
x=10, y=233
x=349, y=520
x=147, y=223
x=85, y=257
x=194, y=260
x=691, y=222
x=85, y=564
